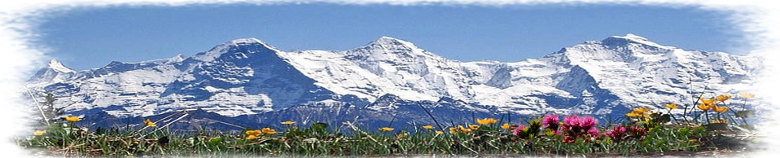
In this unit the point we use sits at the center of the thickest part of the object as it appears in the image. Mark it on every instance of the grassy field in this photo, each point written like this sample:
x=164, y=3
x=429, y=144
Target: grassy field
x=708, y=127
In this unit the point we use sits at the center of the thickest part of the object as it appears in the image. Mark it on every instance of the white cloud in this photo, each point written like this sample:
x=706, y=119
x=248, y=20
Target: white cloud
x=758, y=19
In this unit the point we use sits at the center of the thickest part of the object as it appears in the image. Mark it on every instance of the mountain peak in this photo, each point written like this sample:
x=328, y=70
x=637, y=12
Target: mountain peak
x=241, y=43
x=388, y=41
x=58, y=66
x=630, y=38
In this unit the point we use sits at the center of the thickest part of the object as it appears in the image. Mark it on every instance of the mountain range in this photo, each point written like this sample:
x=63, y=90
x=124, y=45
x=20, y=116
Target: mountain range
x=390, y=82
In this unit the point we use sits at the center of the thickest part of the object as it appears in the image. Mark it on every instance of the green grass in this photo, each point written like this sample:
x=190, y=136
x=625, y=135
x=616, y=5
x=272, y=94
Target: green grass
x=316, y=140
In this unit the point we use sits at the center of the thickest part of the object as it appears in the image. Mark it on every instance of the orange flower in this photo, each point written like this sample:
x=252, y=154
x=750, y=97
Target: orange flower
x=385, y=129
x=72, y=119
x=487, y=121
x=707, y=101
x=641, y=110
x=250, y=137
x=704, y=107
x=428, y=127
x=720, y=109
x=474, y=127
x=288, y=122
x=506, y=126
x=671, y=106
x=253, y=132
x=149, y=123
x=723, y=98
x=268, y=131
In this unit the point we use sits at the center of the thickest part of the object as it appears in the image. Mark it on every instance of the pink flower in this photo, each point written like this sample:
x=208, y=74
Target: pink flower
x=520, y=128
x=550, y=121
x=593, y=132
x=571, y=121
x=587, y=122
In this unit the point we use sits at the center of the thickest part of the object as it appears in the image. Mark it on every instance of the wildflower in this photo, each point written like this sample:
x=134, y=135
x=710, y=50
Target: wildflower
x=746, y=95
x=401, y=135
x=72, y=119
x=438, y=132
x=719, y=121
x=616, y=133
x=707, y=101
x=459, y=129
x=253, y=132
x=466, y=130
x=487, y=121
x=722, y=98
x=587, y=122
x=721, y=109
x=150, y=123
x=251, y=137
x=428, y=127
x=550, y=121
x=268, y=131
x=385, y=129
x=704, y=107
x=474, y=127
x=39, y=133
x=633, y=114
x=506, y=126
x=641, y=110
x=572, y=120
x=593, y=132
x=288, y=122
x=671, y=106
x=520, y=128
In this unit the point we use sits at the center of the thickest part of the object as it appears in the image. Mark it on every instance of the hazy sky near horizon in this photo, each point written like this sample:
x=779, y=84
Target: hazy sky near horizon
x=92, y=37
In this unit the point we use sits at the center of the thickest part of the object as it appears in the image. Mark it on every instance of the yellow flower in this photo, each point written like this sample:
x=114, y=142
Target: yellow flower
x=428, y=127
x=671, y=106
x=746, y=95
x=633, y=114
x=722, y=98
x=506, y=126
x=288, y=122
x=487, y=121
x=250, y=137
x=453, y=130
x=474, y=127
x=721, y=109
x=401, y=135
x=438, y=132
x=385, y=129
x=39, y=133
x=704, y=107
x=253, y=132
x=719, y=121
x=641, y=110
x=268, y=131
x=459, y=129
x=707, y=101
x=72, y=119
x=149, y=123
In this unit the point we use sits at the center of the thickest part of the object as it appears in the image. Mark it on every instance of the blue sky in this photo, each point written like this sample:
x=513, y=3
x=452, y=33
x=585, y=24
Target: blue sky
x=91, y=38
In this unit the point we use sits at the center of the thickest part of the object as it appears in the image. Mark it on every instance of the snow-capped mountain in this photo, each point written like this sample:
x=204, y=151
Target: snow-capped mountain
x=246, y=78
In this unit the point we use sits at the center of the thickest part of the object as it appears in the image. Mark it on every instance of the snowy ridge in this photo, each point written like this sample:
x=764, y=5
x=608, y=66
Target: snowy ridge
x=245, y=77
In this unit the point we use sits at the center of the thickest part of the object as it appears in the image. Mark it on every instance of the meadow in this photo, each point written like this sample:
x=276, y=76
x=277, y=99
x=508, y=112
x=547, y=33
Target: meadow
x=718, y=124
